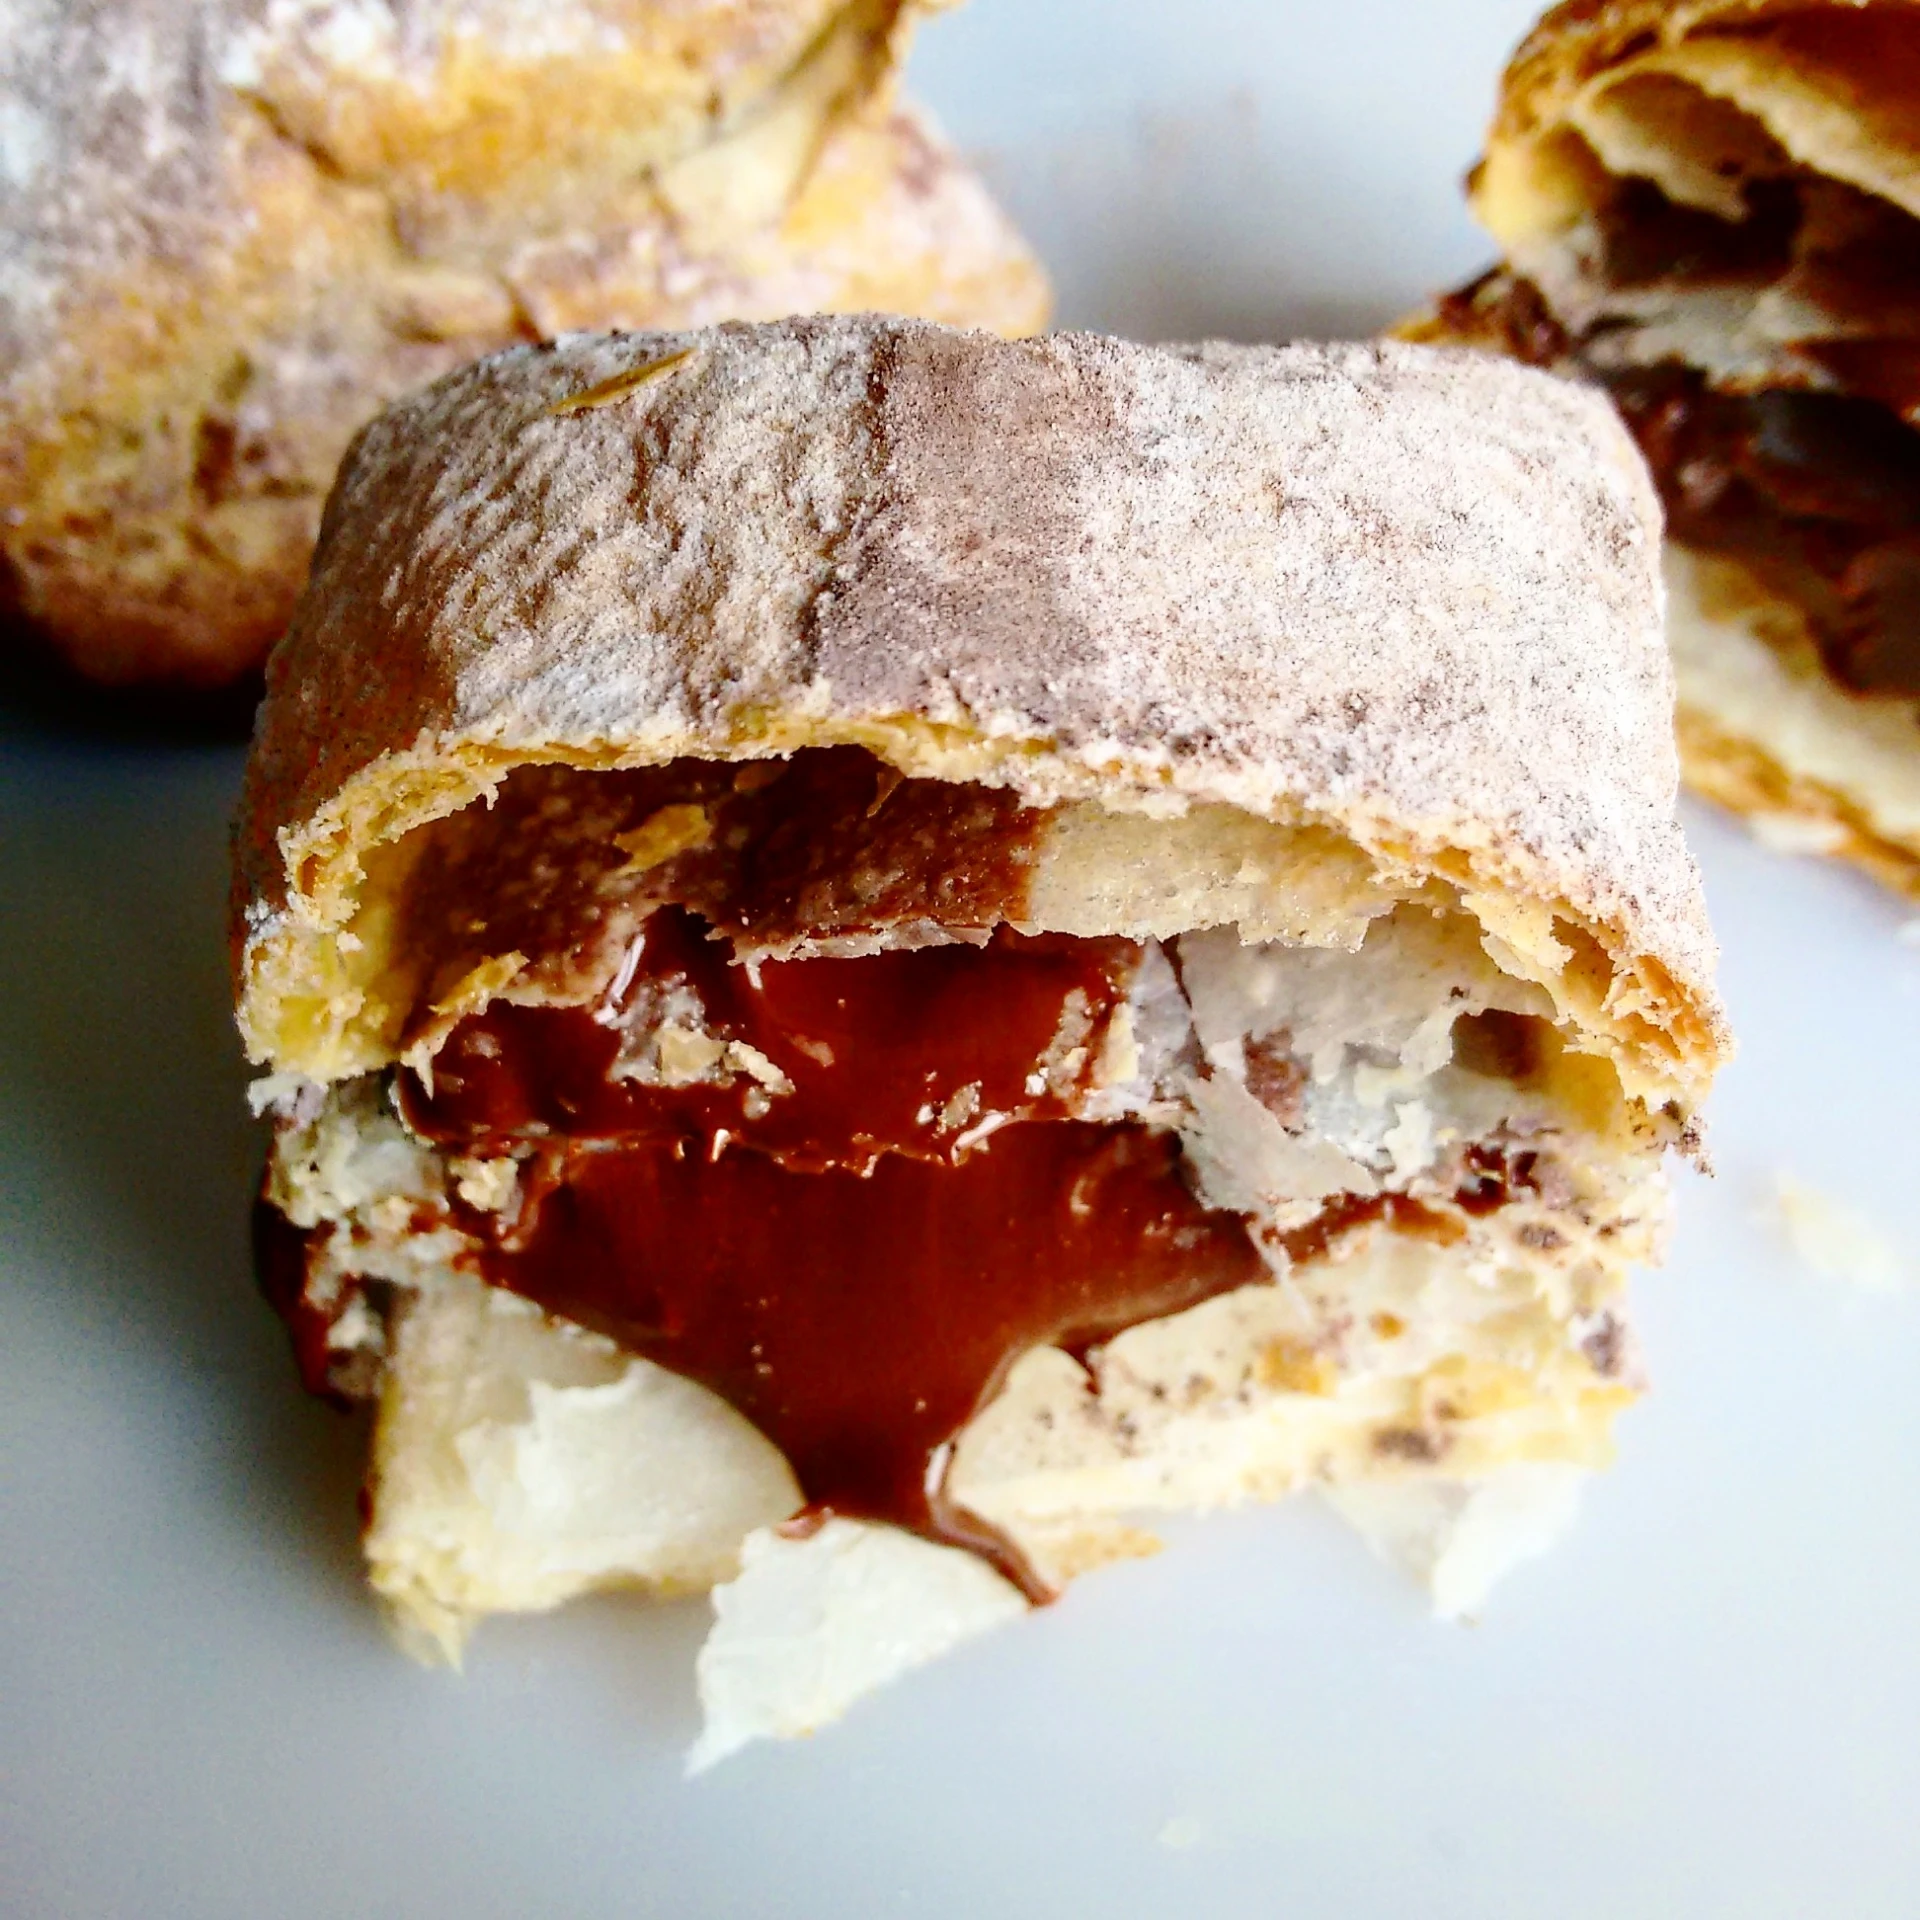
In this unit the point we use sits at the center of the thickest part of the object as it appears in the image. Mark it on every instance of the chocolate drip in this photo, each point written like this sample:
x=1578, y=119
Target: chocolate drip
x=1816, y=492
x=282, y=1268
x=861, y=1321
x=280, y=1255
x=853, y=1237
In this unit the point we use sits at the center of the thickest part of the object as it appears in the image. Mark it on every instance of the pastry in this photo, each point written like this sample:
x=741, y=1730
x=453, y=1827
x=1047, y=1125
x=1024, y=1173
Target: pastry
x=1714, y=211
x=230, y=233
x=878, y=953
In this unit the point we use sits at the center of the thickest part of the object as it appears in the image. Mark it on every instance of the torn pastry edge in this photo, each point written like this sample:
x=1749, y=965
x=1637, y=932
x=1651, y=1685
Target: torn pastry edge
x=307, y=971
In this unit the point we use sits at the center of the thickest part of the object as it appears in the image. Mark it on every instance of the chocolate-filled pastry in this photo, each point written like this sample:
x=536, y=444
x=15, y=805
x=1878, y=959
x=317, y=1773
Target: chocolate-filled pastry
x=881, y=952
x=1714, y=211
x=231, y=232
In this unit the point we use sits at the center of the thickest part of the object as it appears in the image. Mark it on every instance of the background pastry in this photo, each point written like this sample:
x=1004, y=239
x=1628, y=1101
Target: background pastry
x=1057, y=930
x=230, y=233
x=1714, y=210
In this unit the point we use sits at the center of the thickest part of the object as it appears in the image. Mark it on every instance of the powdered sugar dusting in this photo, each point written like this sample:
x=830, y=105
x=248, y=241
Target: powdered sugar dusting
x=124, y=120
x=1413, y=590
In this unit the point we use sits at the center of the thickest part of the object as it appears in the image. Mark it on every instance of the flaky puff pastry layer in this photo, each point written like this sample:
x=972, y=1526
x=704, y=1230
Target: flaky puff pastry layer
x=1700, y=98
x=1707, y=102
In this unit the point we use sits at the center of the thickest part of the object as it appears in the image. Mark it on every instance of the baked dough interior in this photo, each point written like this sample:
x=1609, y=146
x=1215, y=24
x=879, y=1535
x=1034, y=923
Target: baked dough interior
x=971, y=1151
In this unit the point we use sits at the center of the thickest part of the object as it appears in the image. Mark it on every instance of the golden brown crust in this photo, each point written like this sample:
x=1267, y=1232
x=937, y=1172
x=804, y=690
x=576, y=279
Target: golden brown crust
x=1581, y=40
x=186, y=348
x=1408, y=597
x=1738, y=775
x=1738, y=110
x=1570, y=44
x=1698, y=96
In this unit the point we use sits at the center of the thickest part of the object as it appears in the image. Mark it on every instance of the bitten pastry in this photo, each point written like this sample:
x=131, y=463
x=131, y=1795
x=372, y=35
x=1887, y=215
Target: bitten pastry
x=1714, y=210
x=231, y=232
x=880, y=953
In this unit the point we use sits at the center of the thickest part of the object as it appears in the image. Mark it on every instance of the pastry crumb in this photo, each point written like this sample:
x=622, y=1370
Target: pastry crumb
x=1836, y=1242
x=1792, y=833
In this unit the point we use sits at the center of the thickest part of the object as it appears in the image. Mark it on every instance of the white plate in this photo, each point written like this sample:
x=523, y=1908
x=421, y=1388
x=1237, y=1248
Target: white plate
x=1705, y=1703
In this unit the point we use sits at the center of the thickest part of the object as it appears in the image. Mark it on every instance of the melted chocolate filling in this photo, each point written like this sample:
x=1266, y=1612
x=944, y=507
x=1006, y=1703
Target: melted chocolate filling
x=1647, y=238
x=845, y=1194
x=855, y=1254
x=1818, y=493
x=920, y=1053
x=855, y=1235
x=281, y=1252
x=825, y=844
x=861, y=1321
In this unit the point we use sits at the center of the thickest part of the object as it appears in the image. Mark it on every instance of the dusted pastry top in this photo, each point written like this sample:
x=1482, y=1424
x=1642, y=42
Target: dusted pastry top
x=231, y=232
x=130, y=121
x=1409, y=598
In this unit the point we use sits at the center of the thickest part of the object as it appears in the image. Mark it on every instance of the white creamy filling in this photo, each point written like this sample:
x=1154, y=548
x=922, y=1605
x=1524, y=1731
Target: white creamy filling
x=1372, y=1032
x=811, y=1624
x=519, y=1463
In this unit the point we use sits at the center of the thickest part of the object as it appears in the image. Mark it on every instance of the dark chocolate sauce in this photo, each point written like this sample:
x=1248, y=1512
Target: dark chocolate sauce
x=860, y=1321
x=917, y=1052
x=856, y=1260
x=856, y=1257
x=1647, y=239
x=1818, y=492
x=827, y=842
x=857, y=1192
x=1347, y=1213
x=1887, y=371
x=281, y=1254
x=1491, y=1175
x=1506, y=314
